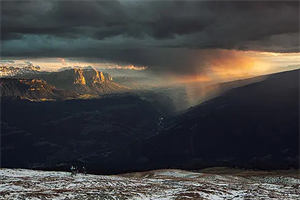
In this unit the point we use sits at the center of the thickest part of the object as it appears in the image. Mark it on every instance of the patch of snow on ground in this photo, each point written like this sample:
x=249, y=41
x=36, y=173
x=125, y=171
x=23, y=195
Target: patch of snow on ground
x=164, y=185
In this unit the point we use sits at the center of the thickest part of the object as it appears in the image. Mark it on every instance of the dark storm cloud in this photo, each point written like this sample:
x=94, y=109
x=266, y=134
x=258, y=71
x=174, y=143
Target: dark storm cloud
x=146, y=32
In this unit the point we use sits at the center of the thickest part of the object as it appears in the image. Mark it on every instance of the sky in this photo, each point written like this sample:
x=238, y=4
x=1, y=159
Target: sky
x=187, y=40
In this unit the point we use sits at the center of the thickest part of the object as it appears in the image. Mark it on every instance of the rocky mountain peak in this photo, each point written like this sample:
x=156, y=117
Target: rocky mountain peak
x=82, y=76
x=94, y=76
x=78, y=76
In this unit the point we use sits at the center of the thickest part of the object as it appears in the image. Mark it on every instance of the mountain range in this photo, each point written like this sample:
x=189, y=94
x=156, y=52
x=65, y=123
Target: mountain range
x=69, y=83
x=254, y=124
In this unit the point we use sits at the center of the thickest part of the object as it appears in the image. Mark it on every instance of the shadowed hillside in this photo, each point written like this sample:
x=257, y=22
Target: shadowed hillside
x=255, y=126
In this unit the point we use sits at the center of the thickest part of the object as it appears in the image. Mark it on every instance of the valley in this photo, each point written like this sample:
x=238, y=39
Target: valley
x=137, y=131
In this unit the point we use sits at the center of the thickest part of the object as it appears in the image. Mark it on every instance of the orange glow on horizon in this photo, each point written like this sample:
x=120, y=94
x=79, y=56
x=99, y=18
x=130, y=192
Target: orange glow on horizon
x=228, y=65
x=235, y=64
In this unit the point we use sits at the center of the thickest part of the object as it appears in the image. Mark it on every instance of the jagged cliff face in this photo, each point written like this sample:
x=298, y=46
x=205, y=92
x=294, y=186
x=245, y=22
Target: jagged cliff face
x=83, y=81
x=68, y=83
x=89, y=77
x=79, y=77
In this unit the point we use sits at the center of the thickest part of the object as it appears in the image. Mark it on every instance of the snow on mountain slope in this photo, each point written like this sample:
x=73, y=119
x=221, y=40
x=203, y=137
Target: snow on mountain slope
x=160, y=184
x=7, y=71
